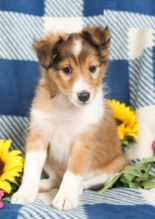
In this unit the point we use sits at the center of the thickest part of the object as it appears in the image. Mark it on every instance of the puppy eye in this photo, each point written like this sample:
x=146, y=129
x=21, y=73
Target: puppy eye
x=92, y=68
x=67, y=70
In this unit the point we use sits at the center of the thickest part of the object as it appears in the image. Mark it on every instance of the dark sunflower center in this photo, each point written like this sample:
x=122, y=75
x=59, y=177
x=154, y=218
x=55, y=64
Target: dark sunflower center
x=118, y=122
x=1, y=167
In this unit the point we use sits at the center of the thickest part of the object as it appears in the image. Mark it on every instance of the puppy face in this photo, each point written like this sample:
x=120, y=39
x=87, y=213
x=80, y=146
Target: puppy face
x=74, y=64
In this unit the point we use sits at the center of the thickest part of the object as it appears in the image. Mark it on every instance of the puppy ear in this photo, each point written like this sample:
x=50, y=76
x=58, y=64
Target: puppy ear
x=99, y=37
x=44, y=50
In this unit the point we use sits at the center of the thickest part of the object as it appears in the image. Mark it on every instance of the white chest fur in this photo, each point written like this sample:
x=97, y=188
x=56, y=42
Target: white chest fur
x=65, y=122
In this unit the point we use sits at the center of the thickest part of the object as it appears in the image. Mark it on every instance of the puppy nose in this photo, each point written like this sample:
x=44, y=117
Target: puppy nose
x=83, y=96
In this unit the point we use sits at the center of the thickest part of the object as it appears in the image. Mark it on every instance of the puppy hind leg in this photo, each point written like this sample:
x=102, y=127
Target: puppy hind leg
x=49, y=183
x=95, y=181
x=53, y=180
x=106, y=174
x=116, y=165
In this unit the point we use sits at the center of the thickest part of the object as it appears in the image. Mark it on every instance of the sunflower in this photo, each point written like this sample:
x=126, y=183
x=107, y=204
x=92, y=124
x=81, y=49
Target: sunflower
x=11, y=165
x=127, y=125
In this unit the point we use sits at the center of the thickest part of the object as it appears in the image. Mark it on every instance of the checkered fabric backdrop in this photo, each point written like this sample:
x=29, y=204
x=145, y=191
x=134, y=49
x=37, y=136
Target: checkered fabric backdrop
x=130, y=77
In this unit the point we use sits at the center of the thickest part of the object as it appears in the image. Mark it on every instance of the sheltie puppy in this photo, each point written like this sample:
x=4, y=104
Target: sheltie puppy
x=72, y=132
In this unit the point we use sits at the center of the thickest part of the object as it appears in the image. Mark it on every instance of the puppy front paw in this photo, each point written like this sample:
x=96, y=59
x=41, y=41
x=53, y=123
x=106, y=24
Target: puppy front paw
x=69, y=191
x=65, y=201
x=23, y=197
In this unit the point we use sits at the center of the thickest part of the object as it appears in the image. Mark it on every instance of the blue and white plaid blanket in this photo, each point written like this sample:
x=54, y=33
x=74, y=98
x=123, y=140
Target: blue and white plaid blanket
x=130, y=79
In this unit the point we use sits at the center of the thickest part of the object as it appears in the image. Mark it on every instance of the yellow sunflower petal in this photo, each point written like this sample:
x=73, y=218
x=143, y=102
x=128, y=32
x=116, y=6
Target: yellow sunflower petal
x=13, y=163
x=13, y=154
x=120, y=130
x=4, y=149
x=1, y=146
x=4, y=185
x=128, y=126
x=10, y=175
x=16, y=170
x=8, y=143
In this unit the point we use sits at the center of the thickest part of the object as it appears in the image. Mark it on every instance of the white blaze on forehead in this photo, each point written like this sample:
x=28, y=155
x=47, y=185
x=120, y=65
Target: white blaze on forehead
x=77, y=47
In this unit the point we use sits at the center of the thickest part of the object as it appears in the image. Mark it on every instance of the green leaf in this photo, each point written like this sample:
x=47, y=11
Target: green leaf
x=110, y=184
x=131, y=170
x=124, y=180
x=125, y=142
x=134, y=176
x=148, y=184
x=129, y=177
x=146, y=161
x=133, y=185
x=152, y=177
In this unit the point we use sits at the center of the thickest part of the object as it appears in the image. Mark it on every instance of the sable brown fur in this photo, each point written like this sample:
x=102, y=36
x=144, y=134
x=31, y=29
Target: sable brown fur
x=54, y=52
x=72, y=132
x=97, y=148
x=107, y=157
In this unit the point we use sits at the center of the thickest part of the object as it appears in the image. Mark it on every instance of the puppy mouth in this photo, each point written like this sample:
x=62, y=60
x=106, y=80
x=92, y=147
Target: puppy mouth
x=80, y=104
x=83, y=103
